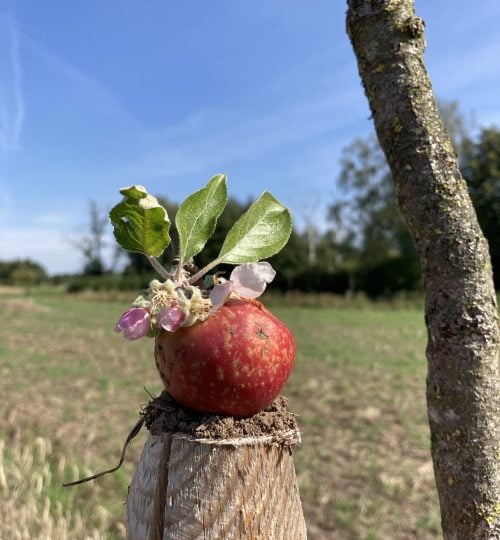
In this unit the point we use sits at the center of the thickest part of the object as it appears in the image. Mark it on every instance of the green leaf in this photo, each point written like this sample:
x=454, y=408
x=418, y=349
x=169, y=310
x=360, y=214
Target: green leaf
x=140, y=223
x=197, y=216
x=259, y=233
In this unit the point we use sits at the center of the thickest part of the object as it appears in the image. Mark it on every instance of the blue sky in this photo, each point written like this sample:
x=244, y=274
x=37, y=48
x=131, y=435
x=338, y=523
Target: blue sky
x=95, y=96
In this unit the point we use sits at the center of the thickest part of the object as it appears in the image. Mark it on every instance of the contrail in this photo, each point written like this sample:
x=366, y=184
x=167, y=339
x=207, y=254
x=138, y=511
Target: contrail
x=11, y=86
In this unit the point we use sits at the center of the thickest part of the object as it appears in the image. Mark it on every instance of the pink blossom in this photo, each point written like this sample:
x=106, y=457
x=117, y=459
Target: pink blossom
x=249, y=280
x=171, y=318
x=134, y=323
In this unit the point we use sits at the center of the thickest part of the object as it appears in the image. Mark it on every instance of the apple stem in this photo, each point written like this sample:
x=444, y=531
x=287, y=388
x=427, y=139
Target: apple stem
x=158, y=267
x=203, y=271
x=178, y=271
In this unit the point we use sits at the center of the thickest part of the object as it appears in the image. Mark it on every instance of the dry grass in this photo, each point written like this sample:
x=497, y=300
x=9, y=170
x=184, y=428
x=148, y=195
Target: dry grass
x=364, y=465
x=71, y=390
x=30, y=478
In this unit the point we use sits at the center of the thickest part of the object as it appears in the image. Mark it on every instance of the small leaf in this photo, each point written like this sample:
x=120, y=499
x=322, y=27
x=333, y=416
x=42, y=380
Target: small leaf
x=259, y=233
x=140, y=223
x=197, y=216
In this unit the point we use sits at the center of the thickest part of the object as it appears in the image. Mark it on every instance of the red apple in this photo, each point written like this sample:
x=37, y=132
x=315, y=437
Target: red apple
x=234, y=363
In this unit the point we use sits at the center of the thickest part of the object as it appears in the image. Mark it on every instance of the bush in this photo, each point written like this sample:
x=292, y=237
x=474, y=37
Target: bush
x=390, y=277
x=23, y=272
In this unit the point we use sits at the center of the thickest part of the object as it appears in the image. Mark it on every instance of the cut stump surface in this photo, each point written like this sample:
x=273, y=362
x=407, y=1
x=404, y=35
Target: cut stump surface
x=217, y=477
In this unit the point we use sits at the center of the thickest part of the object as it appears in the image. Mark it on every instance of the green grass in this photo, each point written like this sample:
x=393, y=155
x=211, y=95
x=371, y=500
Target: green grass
x=358, y=389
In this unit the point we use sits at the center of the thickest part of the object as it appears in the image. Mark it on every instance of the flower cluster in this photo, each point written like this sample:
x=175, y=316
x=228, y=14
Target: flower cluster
x=172, y=304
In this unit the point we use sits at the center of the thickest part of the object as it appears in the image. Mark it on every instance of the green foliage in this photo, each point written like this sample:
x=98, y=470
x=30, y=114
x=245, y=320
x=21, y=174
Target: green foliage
x=94, y=267
x=23, y=272
x=390, y=276
x=140, y=223
x=232, y=212
x=138, y=264
x=290, y=263
x=369, y=215
x=377, y=247
x=377, y=243
x=262, y=231
x=197, y=216
x=481, y=168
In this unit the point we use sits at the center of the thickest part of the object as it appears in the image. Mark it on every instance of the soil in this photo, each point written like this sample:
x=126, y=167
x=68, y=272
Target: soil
x=163, y=414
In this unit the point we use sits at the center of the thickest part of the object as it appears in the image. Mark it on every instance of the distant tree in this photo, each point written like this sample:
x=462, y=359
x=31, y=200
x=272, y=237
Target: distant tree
x=458, y=127
x=296, y=267
x=304, y=263
x=291, y=262
x=91, y=244
x=22, y=272
x=367, y=211
x=384, y=258
x=480, y=166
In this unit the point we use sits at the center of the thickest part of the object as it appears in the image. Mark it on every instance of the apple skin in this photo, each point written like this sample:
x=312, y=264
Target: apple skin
x=234, y=363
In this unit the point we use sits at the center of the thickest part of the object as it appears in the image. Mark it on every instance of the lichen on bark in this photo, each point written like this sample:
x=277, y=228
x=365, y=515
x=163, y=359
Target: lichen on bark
x=463, y=383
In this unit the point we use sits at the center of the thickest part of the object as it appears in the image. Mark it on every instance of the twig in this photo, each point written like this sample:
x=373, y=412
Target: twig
x=158, y=267
x=135, y=431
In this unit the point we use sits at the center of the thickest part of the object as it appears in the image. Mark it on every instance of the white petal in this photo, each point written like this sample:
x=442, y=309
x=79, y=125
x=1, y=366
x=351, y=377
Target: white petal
x=219, y=294
x=250, y=279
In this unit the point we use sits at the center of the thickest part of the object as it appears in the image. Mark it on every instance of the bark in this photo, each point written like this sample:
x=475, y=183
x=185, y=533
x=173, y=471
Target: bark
x=463, y=387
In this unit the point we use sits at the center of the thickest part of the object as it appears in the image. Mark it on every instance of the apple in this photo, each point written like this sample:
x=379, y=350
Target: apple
x=234, y=363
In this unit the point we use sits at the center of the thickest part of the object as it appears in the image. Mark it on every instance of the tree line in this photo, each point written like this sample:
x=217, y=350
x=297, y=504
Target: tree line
x=24, y=272
x=366, y=246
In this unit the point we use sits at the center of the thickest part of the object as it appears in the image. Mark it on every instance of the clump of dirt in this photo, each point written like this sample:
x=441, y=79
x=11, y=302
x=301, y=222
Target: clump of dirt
x=163, y=414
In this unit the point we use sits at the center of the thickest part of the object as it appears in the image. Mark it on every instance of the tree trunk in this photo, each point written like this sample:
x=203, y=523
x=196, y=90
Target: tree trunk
x=186, y=488
x=463, y=387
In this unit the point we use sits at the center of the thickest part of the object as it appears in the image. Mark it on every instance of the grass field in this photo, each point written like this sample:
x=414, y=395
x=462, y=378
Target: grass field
x=71, y=390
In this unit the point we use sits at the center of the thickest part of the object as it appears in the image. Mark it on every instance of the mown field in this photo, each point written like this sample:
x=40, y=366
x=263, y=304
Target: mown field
x=71, y=389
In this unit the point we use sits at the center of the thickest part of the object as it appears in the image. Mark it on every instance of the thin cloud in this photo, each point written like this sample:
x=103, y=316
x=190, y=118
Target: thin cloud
x=12, y=110
x=475, y=67
x=199, y=147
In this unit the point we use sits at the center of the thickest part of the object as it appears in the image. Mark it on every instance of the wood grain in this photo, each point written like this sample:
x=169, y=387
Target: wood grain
x=186, y=488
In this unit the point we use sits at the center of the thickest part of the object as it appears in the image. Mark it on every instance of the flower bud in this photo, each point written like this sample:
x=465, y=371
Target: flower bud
x=171, y=318
x=134, y=323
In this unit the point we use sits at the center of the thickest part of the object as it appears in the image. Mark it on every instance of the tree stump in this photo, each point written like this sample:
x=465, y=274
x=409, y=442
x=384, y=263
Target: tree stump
x=196, y=479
